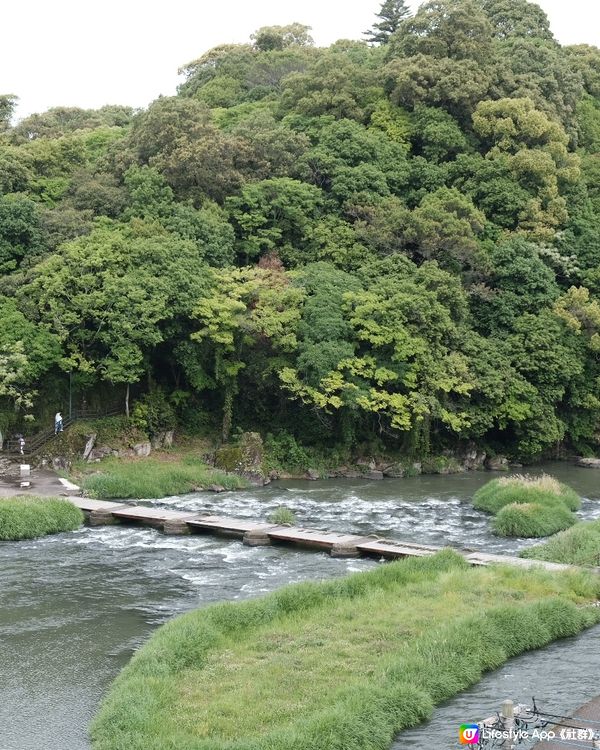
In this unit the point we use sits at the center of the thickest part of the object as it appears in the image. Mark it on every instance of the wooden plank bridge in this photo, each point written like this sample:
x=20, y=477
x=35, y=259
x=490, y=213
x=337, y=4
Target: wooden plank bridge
x=260, y=533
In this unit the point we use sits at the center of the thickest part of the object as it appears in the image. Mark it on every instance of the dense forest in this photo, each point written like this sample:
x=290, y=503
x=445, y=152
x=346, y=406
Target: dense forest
x=392, y=241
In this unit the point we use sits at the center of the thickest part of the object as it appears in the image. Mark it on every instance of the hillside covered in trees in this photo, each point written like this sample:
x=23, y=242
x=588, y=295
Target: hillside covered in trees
x=393, y=241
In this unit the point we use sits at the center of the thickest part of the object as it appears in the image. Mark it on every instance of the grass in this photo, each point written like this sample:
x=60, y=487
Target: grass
x=343, y=665
x=282, y=516
x=28, y=517
x=579, y=545
x=529, y=520
x=527, y=506
x=154, y=478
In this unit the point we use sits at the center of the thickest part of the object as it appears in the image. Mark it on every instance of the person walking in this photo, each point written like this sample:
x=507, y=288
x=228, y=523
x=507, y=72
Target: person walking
x=21, y=444
x=58, y=423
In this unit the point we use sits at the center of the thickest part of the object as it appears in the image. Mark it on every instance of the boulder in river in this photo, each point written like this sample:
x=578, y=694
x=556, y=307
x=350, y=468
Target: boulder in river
x=589, y=463
x=497, y=463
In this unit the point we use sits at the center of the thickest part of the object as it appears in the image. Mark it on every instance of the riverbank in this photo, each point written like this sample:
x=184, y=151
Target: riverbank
x=30, y=517
x=397, y=639
x=152, y=477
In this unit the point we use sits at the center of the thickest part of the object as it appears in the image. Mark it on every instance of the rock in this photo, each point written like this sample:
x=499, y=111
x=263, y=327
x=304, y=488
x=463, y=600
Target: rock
x=142, y=449
x=245, y=458
x=373, y=474
x=91, y=442
x=369, y=463
x=313, y=475
x=162, y=439
x=472, y=459
x=96, y=454
x=417, y=468
x=394, y=471
x=589, y=463
x=61, y=463
x=496, y=463
x=216, y=488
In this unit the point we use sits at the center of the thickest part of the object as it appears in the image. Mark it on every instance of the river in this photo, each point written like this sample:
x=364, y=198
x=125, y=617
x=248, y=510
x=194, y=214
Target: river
x=74, y=607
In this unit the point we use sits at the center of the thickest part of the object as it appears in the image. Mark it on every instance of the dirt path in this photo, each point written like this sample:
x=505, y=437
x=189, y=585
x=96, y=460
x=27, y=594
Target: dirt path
x=43, y=482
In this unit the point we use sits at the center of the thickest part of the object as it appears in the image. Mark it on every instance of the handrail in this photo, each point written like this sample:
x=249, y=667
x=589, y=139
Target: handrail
x=37, y=441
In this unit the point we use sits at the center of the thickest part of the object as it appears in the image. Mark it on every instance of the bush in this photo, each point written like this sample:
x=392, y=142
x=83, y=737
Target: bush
x=283, y=453
x=31, y=517
x=579, y=545
x=257, y=674
x=532, y=520
x=283, y=516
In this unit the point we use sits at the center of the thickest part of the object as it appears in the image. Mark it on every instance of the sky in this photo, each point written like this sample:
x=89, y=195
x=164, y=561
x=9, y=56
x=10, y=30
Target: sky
x=86, y=54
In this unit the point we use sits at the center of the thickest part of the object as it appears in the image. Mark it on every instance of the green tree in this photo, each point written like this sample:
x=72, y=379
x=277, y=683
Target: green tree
x=269, y=38
x=8, y=104
x=275, y=215
x=108, y=296
x=391, y=15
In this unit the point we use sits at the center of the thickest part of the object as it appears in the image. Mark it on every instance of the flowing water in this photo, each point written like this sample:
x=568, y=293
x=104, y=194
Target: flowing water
x=74, y=607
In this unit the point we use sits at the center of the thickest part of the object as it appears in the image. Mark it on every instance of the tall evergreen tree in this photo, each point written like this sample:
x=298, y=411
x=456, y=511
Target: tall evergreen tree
x=391, y=15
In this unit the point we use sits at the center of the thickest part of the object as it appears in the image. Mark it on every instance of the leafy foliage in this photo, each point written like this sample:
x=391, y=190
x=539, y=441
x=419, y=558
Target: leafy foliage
x=393, y=241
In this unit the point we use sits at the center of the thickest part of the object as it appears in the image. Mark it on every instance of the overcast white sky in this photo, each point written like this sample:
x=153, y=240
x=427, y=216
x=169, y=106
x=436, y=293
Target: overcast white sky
x=86, y=54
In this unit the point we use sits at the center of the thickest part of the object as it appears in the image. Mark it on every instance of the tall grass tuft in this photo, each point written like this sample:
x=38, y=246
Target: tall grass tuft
x=527, y=506
x=29, y=517
x=343, y=664
x=579, y=545
x=283, y=516
x=532, y=520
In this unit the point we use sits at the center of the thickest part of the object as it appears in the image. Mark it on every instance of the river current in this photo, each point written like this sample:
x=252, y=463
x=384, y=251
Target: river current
x=74, y=607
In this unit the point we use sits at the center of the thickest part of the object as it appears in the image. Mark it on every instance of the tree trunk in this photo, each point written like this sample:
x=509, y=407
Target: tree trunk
x=127, y=402
x=227, y=414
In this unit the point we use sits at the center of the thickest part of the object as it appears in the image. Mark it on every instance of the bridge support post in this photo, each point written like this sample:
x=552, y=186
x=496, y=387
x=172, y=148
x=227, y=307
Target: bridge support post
x=101, y=518
x=174, y=528
x=256, y=538
x=344, y=549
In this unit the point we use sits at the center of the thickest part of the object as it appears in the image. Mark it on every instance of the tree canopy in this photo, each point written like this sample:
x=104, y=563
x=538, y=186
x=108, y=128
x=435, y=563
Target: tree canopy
x=391, y=241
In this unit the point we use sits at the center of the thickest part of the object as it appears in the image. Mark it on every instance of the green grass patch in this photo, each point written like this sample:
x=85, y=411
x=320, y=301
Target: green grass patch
x=343, y=665
x=155, y=478
x=283, y=515
x=530, y=520
x=527, y=506
x=579, y=545
x=29, y=517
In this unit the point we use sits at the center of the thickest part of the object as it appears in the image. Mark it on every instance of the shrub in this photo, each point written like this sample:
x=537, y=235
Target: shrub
x=282, y=516
x=532, y=519
x=284, y=453
x=579, y=545
x=30, y=517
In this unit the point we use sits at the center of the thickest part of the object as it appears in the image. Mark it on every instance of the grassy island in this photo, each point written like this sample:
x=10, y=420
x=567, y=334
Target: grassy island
x=343, y=664
x=30, y=517
x=527, y=506
x=154, y=478
x=579, y=545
